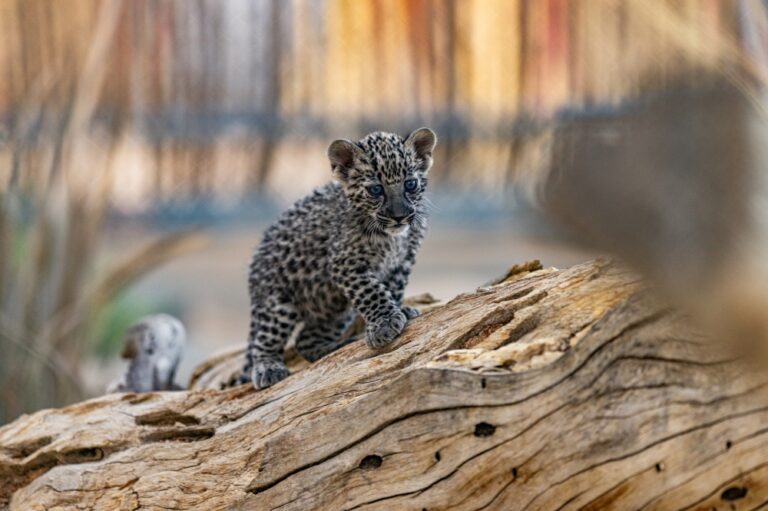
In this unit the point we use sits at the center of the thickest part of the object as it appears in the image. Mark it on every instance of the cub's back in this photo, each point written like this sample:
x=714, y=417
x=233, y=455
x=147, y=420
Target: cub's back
x=297, y=245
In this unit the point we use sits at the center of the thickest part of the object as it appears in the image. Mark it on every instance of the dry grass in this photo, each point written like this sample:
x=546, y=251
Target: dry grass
x=51, y=222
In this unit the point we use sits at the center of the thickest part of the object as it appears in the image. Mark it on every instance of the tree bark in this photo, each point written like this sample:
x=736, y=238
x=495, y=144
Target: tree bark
x=552, y=389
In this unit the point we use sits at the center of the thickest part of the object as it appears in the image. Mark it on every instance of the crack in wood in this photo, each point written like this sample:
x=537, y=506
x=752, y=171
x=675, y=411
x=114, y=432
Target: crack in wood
x=634, y=387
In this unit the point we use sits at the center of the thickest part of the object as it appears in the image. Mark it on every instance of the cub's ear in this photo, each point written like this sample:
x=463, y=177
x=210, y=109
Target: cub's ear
x=130, y=346
x=422, y=141
x=342, y=154
x=132, y=340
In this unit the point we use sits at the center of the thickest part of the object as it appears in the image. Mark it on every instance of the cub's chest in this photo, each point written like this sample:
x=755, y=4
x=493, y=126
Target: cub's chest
x=391, y=252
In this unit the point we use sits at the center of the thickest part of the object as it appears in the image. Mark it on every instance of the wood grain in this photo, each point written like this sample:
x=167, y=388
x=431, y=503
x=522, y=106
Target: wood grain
x=553, y=389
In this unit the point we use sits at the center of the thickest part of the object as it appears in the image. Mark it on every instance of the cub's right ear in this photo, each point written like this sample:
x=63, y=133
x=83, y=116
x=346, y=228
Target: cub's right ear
x=342, y=154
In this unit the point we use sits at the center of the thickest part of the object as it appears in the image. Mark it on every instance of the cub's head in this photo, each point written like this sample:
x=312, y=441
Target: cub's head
x=384, y=176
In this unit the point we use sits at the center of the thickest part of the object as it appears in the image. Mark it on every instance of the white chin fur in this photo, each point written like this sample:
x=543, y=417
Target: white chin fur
x=400, y=229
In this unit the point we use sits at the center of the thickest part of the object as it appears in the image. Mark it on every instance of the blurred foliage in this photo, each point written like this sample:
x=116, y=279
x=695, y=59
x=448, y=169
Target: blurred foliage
x=51, y=221
x=51, y=299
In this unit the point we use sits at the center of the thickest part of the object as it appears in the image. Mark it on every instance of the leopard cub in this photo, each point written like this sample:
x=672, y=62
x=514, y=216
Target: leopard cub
x=346, y=248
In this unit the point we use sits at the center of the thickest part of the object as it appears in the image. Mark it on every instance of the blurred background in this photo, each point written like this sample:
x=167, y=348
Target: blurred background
x=145, y=145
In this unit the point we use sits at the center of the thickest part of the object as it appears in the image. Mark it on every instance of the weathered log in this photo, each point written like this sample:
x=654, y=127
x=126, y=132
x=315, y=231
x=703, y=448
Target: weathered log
x=550, y=390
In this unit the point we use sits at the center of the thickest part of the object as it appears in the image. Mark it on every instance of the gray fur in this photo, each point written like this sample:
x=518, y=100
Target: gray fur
x=154, y=347
x=341, y=250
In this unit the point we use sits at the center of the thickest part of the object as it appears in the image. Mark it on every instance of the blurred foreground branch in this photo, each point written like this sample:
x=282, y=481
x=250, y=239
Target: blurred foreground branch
x=675, y=184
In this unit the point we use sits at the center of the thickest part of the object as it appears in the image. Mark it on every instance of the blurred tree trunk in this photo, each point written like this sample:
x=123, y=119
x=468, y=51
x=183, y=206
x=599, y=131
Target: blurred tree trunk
x=549, y=389
x=271, y=105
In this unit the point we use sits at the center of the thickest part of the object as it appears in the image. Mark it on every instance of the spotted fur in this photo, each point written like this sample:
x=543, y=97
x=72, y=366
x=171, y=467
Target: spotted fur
x=342, y=250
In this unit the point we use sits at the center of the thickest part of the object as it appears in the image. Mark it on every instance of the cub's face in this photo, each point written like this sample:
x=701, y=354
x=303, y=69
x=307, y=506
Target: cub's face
x=385, y=176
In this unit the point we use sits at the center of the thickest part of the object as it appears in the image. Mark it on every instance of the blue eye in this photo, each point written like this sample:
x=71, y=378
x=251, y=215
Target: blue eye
x=376, y=190
x=410, y=185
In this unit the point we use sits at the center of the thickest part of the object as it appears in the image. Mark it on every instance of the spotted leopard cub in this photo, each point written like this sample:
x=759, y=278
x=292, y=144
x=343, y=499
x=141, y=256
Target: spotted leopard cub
x=347, y=248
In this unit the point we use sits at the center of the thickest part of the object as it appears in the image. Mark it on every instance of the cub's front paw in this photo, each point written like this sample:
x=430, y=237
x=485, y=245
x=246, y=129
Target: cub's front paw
x=385, y=330
x=410, y=312
x=267, y=372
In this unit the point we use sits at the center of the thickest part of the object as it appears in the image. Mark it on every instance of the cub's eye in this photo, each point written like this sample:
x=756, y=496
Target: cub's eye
x=376, y=190
x=410, y=185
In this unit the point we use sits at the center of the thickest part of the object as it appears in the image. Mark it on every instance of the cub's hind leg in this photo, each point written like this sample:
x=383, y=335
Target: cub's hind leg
x=319, y=338
x=272, y=323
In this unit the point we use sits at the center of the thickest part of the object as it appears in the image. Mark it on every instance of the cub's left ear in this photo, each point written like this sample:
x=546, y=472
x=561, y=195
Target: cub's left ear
x=422, y=141
x=131, y=344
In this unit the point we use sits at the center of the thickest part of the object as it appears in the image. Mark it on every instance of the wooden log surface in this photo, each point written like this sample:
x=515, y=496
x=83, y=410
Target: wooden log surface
x=552, y=389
